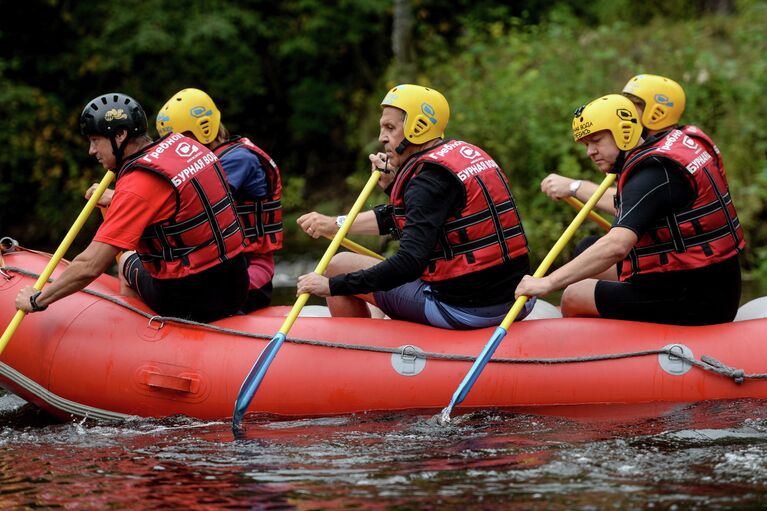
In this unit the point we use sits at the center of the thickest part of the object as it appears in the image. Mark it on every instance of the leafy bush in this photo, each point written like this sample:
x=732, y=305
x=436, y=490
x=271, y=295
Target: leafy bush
x=513, y=87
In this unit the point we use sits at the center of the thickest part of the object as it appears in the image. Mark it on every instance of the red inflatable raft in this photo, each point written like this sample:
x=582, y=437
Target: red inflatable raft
x=100, y=355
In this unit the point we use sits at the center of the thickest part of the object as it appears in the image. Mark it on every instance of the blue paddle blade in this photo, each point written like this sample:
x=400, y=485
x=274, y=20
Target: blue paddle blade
x=476, y=369
x=253, y=380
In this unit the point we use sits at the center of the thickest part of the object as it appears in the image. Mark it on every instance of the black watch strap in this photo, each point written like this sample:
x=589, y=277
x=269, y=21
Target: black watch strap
x=33, y=302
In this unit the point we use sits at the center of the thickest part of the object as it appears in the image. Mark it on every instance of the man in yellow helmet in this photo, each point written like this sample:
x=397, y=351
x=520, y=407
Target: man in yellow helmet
x=676, y=235
x=462, y=246
x=660, y=103
x=253, y=179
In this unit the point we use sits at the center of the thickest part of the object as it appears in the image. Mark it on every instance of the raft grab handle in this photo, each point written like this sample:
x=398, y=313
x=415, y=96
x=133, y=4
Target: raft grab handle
x=409, y=361
x=184, y=382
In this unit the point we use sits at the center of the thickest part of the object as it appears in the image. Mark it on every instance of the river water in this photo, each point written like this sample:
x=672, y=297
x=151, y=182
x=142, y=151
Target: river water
x=708, y=455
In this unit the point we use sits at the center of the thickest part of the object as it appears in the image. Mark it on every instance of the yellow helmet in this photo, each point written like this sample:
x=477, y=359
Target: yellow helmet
x=426, y=111
x=613, y=112
x=190, y=110
x=663, y=100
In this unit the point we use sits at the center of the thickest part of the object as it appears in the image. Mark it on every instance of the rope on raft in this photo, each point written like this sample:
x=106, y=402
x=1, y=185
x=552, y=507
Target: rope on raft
x=706, y=362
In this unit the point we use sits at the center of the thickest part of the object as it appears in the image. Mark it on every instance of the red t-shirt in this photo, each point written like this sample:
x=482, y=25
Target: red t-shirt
x=140, y=199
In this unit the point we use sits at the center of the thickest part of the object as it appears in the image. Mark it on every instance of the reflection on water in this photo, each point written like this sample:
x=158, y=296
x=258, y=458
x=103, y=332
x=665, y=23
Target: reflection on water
x=703, y=456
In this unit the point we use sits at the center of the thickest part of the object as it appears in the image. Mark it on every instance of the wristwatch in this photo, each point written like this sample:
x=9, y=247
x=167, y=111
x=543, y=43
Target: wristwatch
x=33, y=302
x=574, y=187
x=340, y=219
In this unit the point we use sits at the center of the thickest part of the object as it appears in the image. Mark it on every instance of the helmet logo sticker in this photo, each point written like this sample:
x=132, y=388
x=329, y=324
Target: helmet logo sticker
x=429, y=112
x=583, y=129
x=663, y=100
x=469, y=153
x=199, y=111
x=185, y=149
x=115, y=114
x=162, y=119
x=625, y=114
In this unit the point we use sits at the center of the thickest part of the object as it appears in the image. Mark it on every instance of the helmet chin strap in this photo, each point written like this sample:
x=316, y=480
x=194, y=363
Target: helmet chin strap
x=402, y=146
x=118, y=151
x=405, y=143
x=619, y=161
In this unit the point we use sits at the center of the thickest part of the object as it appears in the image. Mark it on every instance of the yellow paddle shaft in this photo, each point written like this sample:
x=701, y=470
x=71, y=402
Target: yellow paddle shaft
x=332, y=248
x=59, y=254
x=593, y=215
x=359, y=249
x=563, y=240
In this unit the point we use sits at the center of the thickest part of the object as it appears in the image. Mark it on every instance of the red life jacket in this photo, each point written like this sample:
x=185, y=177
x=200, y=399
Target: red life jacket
x=204, y=230
x=702, y=138
x=707, y=232
x=487, y=231
x=261, y=219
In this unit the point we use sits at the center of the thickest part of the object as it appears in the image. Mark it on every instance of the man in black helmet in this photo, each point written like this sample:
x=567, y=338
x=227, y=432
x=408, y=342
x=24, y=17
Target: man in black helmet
x=172, y=206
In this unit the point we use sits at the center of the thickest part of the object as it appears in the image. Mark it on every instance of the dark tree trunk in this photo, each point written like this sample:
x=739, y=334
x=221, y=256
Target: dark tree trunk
x=402, y=41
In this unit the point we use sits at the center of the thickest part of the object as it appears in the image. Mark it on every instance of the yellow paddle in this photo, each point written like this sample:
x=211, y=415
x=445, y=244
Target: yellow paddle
x=593, y=215
x=59, y=254
x=258, y=371
x=358, y=249
x=500, y=332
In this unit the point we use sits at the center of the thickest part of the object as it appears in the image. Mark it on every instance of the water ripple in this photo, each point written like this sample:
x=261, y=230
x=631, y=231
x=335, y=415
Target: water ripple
x=708, y=455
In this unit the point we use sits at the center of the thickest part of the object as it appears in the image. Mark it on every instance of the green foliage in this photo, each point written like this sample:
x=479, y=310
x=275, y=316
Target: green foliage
x=281, y=73
x=304, y=78
x=513, y=88
x=38, y=177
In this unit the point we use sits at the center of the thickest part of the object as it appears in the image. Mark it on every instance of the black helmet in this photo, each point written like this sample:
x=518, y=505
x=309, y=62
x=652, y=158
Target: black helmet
x=108, y=113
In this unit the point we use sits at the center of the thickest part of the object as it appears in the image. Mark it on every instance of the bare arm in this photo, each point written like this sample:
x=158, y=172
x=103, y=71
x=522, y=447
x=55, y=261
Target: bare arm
x=86, y=267
x=606, y=203
x=316, y=224
x=558, y=187
x=606, y=252
x=106, y=197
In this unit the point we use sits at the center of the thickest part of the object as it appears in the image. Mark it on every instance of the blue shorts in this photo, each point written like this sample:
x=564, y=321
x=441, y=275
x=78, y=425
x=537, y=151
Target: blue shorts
x=415, y=302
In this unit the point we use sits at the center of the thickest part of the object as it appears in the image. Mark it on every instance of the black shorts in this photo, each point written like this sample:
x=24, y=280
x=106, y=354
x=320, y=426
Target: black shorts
x=213, y=294
x=704, y=296
x=258, y=298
